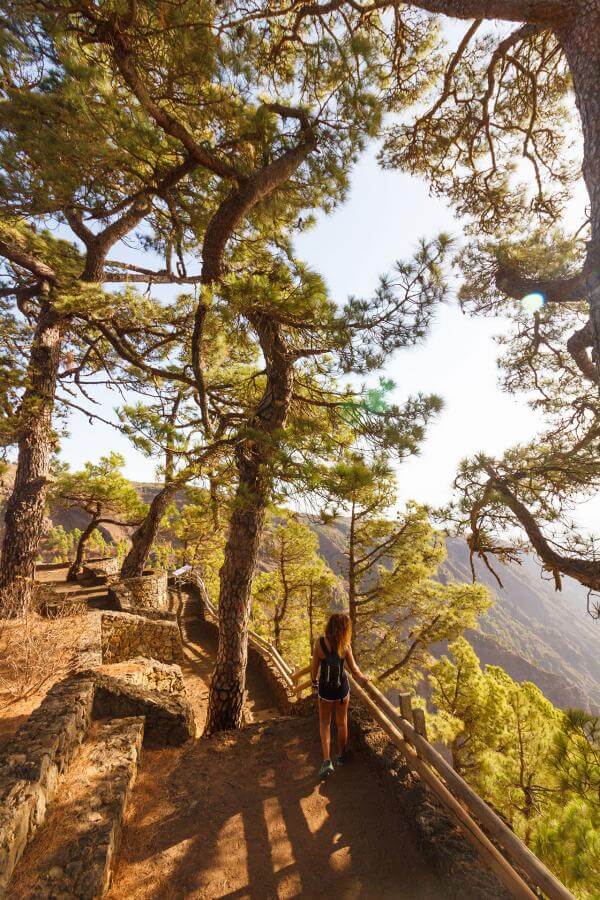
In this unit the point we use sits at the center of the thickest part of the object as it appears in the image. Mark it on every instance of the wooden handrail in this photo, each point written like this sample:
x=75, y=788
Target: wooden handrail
x=424, y=758
x=297, y=675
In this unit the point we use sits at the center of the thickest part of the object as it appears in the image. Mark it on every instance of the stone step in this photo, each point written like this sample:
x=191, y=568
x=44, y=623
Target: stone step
x=74, y=852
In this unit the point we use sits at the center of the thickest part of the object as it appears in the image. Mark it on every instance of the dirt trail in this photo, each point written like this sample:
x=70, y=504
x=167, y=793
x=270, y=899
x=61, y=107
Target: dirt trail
x=200, y=649
x=242, y=815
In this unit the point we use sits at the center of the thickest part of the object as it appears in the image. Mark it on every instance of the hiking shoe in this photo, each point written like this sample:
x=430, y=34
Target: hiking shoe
x=326, y=769
x=343, y=758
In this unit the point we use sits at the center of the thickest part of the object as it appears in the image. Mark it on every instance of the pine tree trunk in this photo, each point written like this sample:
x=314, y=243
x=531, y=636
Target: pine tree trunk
x=25, y=510
x=144, y=536
x=253, y=459
x=581, y=43
x=245, y=531
x=75, y=567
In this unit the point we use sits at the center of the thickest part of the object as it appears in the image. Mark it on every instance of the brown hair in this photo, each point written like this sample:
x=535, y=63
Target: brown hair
x=338, y=632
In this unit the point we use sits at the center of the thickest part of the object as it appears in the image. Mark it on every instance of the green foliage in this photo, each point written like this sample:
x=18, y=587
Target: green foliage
x=101, y=490
x=292, y=599
x=197, y=538
x=568, y=840
x=494, y=134
x=539, y=767
x=397, y=607
x=61, y=543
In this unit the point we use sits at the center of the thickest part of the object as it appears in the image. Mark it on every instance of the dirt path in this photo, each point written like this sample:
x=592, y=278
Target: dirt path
x=200, y=649
x=242, y=815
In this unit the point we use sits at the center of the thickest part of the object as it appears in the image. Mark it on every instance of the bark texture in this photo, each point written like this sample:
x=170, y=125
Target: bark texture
x=253, y=459
x=25, y=510
x=145, y=535
x=580, y=39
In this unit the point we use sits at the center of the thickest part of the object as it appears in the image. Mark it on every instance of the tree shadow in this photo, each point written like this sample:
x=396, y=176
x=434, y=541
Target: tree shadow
x=259, y=825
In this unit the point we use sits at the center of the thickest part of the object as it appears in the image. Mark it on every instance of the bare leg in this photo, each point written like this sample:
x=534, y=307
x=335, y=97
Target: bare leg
x=341, y=723
x=325, y=727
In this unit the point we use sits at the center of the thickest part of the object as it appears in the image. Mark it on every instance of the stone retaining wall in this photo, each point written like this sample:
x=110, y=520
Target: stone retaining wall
x=148, y=592
x=284, y=698
x=464, y=875
x=125, y=636
x=79, y=856
x=31, y=765
x=98, y=568
x=169, y=718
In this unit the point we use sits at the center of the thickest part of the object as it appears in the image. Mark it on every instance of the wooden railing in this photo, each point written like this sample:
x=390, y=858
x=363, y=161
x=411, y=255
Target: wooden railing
x=406, y=728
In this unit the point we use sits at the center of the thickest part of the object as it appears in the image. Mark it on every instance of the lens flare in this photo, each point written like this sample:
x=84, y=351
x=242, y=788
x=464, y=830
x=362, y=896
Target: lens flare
x=532, y=303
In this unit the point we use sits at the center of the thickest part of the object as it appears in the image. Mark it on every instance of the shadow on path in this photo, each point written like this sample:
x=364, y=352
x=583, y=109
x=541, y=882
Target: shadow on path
x=242, y=815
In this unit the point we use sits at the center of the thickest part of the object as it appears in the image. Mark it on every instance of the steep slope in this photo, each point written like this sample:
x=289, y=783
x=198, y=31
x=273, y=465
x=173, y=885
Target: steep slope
x=532, y=631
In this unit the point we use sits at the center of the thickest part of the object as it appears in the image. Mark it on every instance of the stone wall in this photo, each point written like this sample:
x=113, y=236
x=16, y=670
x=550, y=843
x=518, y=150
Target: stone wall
x=285, y=700
x=149, y=592
x=80, y=847
x=464, y=875
x=125, y=636
x=168, y=718
x=101, y=567
x=33, y=762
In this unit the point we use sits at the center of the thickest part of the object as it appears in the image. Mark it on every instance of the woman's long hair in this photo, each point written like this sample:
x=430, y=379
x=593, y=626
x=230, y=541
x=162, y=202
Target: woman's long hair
x=338, y=632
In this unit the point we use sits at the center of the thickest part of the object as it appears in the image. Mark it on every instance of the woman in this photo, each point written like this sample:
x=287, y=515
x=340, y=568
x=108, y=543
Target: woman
x=330, y=653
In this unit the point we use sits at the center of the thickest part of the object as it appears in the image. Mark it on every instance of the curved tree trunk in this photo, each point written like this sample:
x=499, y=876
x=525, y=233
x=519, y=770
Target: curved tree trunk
x=254, y=455
x=581, y=43
x=144, y=536
x=25, y=510
x=75, y=567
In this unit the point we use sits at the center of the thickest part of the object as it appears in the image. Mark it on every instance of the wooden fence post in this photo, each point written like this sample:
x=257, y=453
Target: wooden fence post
x=419, y=722
x=405, y=705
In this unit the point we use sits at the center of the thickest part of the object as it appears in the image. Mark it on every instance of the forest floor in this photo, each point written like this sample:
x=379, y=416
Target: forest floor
x=242, y=814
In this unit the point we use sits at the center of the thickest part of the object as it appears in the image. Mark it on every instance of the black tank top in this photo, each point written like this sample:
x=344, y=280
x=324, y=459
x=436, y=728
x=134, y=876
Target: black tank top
x=331, y=677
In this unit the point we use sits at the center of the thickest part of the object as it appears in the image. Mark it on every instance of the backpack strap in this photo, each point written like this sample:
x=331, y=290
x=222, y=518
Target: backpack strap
x=323, y=646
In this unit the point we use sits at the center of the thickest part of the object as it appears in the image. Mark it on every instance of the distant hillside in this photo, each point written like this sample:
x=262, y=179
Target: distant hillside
x=532, y=631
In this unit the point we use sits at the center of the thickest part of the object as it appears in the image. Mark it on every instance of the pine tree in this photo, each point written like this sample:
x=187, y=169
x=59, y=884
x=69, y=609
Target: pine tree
x=398, y=609
x=102, y=491
x=296, y=591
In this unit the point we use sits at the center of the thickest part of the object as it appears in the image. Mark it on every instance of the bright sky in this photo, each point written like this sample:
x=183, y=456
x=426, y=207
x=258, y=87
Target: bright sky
x=383, y=219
